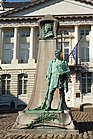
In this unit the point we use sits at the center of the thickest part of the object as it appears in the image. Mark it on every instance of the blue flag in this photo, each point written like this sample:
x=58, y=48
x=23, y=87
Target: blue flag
x=75, y=54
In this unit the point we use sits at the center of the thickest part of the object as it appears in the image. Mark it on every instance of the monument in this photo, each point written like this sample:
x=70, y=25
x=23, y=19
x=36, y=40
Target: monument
x=51, y=77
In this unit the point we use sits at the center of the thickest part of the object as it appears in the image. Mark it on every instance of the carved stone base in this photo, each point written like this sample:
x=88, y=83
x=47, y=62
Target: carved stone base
x=44, y=119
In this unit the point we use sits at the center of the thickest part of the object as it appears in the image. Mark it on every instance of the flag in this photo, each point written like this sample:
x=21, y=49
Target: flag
x=75, y=54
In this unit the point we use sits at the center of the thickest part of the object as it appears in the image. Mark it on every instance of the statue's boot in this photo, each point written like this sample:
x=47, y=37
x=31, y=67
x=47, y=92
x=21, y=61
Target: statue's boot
x=62, y=104
x=50, y=99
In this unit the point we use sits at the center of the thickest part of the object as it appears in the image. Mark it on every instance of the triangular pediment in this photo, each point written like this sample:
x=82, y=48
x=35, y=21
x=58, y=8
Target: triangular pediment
x=55, y=7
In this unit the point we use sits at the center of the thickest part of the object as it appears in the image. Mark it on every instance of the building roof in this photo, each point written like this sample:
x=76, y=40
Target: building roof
x=21, y=6
x=14, y=4
x=18, y=4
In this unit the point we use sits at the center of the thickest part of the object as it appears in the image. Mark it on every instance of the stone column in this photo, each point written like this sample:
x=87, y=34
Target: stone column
x=92, y=84
x=31, y=50
x=91, y=47
x=15, y=52
x=0, y=45
x=76, y=40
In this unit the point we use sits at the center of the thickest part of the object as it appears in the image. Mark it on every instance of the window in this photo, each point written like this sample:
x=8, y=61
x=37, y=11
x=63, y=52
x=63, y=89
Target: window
x=25, y=34
x=84, y=32
x=5, y=83
x=66, y=50
x=86, y=82
x=24, y=52
x=9, y=34
x=59, y=45
x=22, y=84
x=63, y=43
x=8, y=53
x=84, y=51
x=63, y=32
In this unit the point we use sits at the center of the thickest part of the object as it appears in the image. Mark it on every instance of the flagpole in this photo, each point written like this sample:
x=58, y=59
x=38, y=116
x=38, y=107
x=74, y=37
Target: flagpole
x=61, y=41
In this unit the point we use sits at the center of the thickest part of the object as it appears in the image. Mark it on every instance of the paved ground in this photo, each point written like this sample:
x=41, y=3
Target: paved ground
x=83, y=122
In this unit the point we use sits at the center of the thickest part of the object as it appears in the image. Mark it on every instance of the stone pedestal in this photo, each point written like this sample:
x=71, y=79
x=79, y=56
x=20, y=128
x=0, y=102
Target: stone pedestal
x=44, y=120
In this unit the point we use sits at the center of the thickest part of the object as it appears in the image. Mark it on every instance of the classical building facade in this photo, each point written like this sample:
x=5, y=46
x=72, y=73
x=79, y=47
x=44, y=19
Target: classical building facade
x=19, y=43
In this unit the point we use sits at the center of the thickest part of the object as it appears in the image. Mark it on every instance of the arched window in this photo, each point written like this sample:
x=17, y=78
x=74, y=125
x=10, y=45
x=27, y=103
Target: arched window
x=5, y=83
x=22, y=84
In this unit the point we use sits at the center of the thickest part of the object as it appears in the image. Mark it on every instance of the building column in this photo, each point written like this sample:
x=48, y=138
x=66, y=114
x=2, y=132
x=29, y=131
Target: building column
x=31, y=50
x=92, y=84
x=15, y=52
x=0, y=45
x=31, y=43
x=91, y=47
x=76, y=40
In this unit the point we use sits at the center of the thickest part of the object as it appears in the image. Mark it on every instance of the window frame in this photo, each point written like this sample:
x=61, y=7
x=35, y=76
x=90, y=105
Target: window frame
x=85, y=50
x=85, y=82
x=5, y=78
x=22, y=84
x=8, y=53
x=63, y=38
x=9, y=34
x=24, y=52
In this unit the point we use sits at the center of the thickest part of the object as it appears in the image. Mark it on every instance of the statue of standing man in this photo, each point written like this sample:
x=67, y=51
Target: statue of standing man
x=57, y=75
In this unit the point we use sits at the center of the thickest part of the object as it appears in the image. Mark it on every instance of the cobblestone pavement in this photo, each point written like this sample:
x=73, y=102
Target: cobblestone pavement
x=83, y=122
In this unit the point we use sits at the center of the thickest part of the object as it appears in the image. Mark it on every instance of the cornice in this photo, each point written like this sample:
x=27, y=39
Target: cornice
x=32, y=21
x=35, y=18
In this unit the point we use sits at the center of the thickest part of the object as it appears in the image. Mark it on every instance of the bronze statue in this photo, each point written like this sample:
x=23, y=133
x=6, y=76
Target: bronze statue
x=57, y=76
